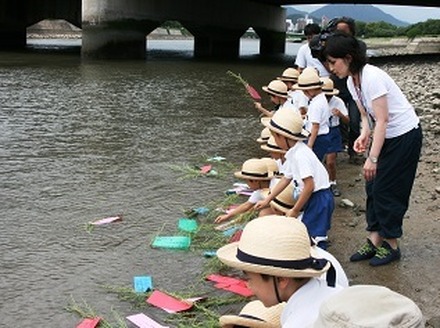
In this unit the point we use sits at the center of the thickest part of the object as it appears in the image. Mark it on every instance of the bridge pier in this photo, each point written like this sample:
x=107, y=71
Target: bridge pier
x=216, y=42
x=13, y=25
x=271, y=42
x=114, y=30
x=124, y=39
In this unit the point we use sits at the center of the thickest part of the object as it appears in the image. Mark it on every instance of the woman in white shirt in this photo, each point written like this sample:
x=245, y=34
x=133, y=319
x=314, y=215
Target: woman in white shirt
x=391, y=138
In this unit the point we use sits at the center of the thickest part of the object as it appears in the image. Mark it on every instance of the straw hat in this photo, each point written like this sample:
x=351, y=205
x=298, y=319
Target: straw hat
x=274, y=245
x=288, y=124
x=284, y=201
x=272, y=165
x=272, y=147
x=328, y=87
x=264, y=136
x=276, y=88
x=308, y=79
x=254, y=169
x=265, y=120
x=255, y=315
x=369, y=306
x=290, y=74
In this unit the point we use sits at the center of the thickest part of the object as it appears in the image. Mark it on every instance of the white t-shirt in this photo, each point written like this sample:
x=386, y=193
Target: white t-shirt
x=305, y=59
x=298, y=99
x=336, y=102
x=290, y=105
x=302, y=308
x=318, y=112
x=301, y=162
x=376, y=83
x=257, y=195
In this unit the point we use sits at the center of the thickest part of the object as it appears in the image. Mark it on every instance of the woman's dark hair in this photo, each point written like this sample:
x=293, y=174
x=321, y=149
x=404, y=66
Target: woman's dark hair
x=339, y=45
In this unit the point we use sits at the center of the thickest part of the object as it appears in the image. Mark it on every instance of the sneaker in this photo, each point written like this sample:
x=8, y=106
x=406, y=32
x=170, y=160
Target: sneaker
x=366, y=252
x=335, y=190
x=385, y=254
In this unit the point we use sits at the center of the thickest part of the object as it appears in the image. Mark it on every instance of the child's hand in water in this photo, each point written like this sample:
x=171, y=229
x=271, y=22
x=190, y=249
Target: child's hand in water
x=221, y=218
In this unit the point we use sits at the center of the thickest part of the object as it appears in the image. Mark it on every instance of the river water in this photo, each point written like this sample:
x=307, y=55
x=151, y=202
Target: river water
x=81, y=141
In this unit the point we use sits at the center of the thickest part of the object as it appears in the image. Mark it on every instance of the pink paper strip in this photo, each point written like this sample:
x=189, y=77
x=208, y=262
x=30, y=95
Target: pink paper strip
x=89, y=323
x=205, y=169
x=143, y=321
x=168, y=303
x=108, y=220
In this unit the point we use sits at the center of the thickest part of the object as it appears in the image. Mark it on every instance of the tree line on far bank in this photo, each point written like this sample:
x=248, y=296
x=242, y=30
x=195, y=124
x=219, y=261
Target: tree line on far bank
x=430, y=27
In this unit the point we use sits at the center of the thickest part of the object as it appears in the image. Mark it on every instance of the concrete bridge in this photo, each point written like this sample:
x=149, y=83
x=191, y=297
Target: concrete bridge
x=117, y=29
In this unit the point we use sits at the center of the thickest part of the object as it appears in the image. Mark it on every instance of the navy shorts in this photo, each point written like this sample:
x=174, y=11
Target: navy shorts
x=335, y=140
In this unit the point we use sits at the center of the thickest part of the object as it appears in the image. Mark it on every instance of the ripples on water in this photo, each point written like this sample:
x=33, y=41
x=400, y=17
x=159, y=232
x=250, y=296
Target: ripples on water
x=81, y=141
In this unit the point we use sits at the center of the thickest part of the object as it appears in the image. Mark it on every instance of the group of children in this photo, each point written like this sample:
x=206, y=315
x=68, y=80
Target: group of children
x=297, y=135
x=282, y=253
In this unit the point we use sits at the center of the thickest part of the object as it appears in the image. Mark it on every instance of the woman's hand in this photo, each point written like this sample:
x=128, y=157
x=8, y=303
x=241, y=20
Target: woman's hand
x=370, y=169
x=361, y=143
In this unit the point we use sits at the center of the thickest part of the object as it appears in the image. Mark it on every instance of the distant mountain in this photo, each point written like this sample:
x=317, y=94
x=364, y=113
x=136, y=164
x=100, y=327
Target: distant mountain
x=364, y=13
x=294, y=14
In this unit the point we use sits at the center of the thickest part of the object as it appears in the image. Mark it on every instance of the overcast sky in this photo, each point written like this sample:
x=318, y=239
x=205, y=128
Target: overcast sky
x=408, y=14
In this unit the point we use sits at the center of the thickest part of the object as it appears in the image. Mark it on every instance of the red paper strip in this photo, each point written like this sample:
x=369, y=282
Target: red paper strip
x=236, y=236
x=205, y=169
x=89, y=323
x=239, y=289
x=167, y=302
x=230, y=284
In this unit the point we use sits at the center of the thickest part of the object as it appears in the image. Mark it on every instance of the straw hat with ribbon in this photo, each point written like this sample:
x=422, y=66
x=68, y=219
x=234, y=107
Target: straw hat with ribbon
x=369, y=306
x=288, y=124
x=276, y=246
x=272, y=165
x=255, y=315
x=264, y=136
x=276, y=88
x=284, y=201
x=272, y=147
x=254, y=169
x=308, y=79
x=290, y=74
x=328, y=87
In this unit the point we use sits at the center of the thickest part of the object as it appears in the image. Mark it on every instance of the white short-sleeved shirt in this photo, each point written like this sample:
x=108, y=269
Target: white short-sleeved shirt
x=298, y=99
x=256, y=196
x=302, y=308
x=290, y=105
x=301, y=162
x=341, y=277
x=376, y=83
x=318, y=112
x=336, y=102
x=305, y=59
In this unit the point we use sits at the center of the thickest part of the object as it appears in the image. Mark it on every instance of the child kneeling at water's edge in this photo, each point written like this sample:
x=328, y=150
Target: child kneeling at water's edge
x=257, y=174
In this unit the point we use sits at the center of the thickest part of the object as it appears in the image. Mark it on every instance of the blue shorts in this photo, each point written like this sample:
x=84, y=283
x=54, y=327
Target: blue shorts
x=321, y=145
x=335, y=140
x=318, y=213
